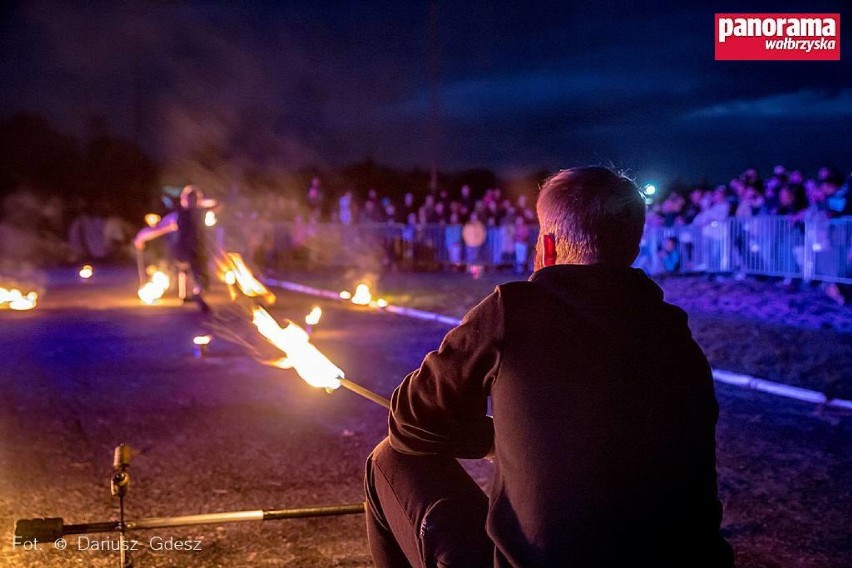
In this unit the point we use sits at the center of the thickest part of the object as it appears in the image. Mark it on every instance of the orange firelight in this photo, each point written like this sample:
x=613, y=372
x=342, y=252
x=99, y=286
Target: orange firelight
x=299, y=353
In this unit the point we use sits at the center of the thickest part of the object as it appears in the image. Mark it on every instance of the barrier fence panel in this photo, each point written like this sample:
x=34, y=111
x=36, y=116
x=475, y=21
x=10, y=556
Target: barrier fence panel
x=811, y=248
x=832, y=250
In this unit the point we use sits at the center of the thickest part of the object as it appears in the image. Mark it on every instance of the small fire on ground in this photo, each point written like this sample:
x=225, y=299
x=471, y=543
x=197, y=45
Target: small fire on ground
x=15, y=299
x=157, y=284
x=363, y=297
x=313, y=318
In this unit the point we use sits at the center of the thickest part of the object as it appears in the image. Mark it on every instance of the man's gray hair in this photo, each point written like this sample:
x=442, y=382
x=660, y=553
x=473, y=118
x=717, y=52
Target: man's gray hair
x=595, y=215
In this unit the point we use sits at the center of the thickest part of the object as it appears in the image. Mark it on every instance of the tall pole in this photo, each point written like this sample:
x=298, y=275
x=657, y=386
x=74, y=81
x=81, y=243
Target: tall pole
x=434, y=126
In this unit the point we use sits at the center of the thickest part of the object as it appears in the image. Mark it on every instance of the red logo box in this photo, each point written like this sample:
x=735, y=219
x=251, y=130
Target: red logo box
x=777, y=37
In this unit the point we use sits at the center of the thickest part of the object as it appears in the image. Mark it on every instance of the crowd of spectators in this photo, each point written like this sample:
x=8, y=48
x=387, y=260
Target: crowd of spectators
x=767, y=228
x=464, y=228
x=785, y=193
x=492, y=208
x=471, y=226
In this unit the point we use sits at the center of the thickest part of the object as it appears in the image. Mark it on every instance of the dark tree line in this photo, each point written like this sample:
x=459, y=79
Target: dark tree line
x=105, y=174
x=109, y=175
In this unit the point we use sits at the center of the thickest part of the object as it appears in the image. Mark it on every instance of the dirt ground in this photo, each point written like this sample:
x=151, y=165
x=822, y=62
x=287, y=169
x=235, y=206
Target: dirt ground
x=91, y=368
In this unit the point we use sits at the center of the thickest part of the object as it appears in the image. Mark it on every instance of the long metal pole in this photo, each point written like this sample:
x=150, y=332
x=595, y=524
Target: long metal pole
x=243, y=516
x=51, y=529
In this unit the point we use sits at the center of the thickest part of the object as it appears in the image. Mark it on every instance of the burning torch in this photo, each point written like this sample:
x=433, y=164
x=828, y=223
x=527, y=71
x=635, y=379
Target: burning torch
x=309, y=362
x=235, y=273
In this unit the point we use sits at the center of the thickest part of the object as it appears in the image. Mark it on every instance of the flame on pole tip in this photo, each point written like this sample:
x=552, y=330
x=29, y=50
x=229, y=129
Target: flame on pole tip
x=313, y=318
x=16, y=300
x=299, y=353
x=86, y=272
x=151, y=219
x=238, y=273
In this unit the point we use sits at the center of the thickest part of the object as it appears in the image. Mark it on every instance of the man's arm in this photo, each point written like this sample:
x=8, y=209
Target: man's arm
x=167, y=225
x=441, y=407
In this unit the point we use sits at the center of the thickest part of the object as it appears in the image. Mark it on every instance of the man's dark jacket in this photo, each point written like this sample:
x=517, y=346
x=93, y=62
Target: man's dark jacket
x=603, y=424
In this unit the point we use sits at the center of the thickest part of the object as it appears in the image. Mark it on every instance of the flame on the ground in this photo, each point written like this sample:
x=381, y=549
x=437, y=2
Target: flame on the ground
x=299, y=353
x=86, y=272
x=151, y=219
x=210, y=218
x=240, y=274
x=14, y=299
x=363, y=297
x=202, y=339
x=313, y=318
x=157, y=284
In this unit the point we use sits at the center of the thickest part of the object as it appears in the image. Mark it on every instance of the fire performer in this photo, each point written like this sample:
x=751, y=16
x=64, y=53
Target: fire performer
x=603, y=444
x=190, y=249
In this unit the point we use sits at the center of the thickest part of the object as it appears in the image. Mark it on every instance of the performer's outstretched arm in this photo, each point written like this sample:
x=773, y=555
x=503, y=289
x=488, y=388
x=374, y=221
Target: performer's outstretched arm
x=168, y=224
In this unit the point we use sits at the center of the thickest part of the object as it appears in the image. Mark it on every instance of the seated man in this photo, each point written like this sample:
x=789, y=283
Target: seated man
x=604, y=450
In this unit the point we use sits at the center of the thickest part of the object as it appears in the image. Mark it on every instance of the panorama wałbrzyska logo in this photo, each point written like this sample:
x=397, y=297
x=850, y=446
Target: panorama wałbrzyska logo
x=778, y=37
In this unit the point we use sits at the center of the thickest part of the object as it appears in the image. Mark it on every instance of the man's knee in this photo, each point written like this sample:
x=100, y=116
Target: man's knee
x=431, y=504
x=375, y=460
x=453, y=534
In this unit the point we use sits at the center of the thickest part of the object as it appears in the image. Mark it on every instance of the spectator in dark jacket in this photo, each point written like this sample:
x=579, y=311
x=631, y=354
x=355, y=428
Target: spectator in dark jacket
x=604, y=451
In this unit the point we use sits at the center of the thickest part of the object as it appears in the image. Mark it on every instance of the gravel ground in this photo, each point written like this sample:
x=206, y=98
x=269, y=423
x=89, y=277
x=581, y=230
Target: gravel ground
x=90, y=368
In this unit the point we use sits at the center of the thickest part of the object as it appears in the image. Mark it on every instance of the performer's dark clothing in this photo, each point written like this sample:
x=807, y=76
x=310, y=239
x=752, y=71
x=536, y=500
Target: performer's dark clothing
x=190, y=245
x=603, y=430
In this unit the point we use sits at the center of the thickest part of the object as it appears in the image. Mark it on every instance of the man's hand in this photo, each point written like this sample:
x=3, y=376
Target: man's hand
x=490, y=455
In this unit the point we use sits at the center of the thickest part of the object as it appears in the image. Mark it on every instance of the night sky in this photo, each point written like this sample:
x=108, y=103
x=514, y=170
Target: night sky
x=522, y=85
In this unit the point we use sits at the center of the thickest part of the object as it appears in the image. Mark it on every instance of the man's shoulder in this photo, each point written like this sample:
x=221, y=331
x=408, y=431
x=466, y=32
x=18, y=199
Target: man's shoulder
x=503, y=296
x=513, y=289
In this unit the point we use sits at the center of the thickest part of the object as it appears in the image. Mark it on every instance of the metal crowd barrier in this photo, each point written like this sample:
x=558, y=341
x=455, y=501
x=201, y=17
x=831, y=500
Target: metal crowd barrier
x=375, y=245
x=810, y=249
